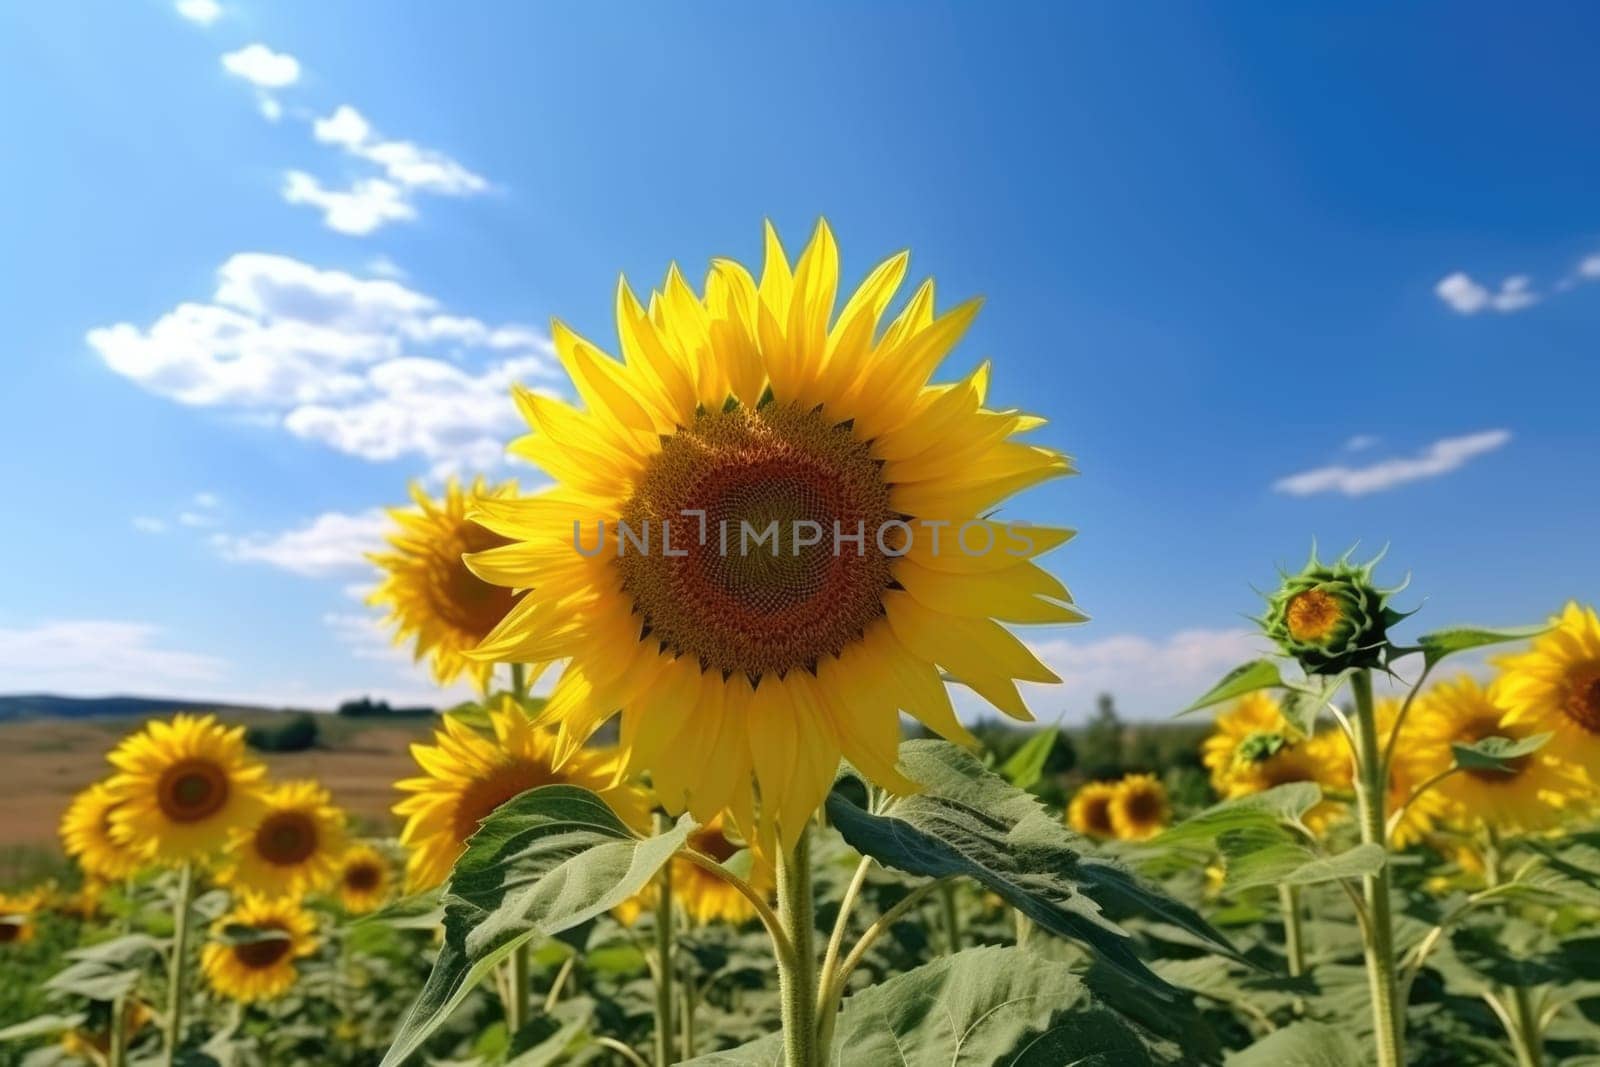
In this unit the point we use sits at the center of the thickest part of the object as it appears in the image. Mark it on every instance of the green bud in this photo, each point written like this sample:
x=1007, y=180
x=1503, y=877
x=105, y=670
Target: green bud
x=1331, y=617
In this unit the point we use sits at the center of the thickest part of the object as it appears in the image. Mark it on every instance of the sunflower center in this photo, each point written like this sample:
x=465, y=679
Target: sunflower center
x=459, y=597
x=1313, y=615
x=789, y=563
x=1582, y=704
x=1276, y=772
x=259, y=955
x=712, y=842
x=192, y=790
x=286, y=838
x=1143, y=806
x=362, y=877
x=10, y=932
x=1475, y=730
x=1097, y=816
x=479, y=799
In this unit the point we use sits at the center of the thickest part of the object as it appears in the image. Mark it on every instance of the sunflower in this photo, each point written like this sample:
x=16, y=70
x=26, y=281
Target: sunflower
x=1139, y=808
x=466, y=776
x=754, y=411
x=182, y=787
x=86, y=835
x=248, y=970
x=1536, y=790
x=17, y=914
x=430, y=593
x=293, y=846
x=1555, y=685
x=1090, y=810
x=95, y=1045
x=1409, y=767
x=1252, y=751
x=364, y=879
x=703, y=896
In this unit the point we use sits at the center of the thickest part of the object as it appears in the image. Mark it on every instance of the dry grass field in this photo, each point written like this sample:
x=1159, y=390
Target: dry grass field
x=43, y=762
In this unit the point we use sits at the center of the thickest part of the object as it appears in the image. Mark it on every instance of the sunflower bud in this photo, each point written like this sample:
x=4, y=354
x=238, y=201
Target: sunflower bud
x=1331, y=617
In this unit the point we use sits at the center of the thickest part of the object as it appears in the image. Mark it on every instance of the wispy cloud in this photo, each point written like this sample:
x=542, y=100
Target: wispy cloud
x=357, y=211
x=262, y=67
x=1468, y=297
x=99, y=657
x=149, y=524
x=1441, y=457
x=331, y=544
x=205, y=12
x=405, y=163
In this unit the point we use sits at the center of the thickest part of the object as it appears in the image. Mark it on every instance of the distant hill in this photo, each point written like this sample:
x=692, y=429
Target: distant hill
x=50, y=706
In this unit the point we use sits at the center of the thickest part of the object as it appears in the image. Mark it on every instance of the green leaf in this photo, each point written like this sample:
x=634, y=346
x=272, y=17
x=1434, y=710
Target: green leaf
x=1026, y=765
x=1271, y=808
x=548, y=1038
x=979, y=1007
x=1304, y=701
x=545, y=861
x=1252, y=862
x=470, y=713
x=1436, y=646
x=121, y=950
x=108, y=970
x=1246, y=678
x=970, y=822
x=1496, y=753
x=42, y=1026
x=1302, y=1044
x=242, y=934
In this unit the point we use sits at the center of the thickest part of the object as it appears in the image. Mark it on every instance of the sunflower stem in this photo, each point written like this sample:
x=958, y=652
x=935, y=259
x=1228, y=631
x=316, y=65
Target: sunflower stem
x=1294, y=947
x=517, y=991
x=116, y=1041
x=178, y=968
x=519, y=681
x=1522, y=1025
x=797, y=976
x=1371, y=799
x=952, y=917
x=664, y=953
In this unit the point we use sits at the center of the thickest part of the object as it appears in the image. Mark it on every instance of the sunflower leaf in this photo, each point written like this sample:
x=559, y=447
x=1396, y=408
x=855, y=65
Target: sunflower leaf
x=970, y=822
x=1304, y=701
x=1301, y=1044
x=546, y=861
x=1026, y=765
x=1246, y=678
x=1272, y=808
x=1252, y=862
x=1496, y=753
x=1436, y=646
x=983, y=1005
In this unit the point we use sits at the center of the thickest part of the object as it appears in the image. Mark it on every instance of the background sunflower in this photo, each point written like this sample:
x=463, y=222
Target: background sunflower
x=1139, y=808
x=1555, y=686
x=1089, y=811
x=249, y=970
x=86, y=835
x=364, y=881
x=293, y=846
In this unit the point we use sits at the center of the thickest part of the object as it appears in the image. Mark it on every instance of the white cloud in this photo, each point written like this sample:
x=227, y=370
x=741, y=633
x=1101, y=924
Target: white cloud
x=270, y=109
x=366, y=637
x=357, y=211
x=1441, y=457
x=384, y=267
x=262, y=67
x=1151, y=678
x=149, y=524
x=338, y=359
x=204, y=12
x=1589, y=267
x=1361, y=442
x=97, y=656
x=207, y=500
x=405, y=163
x=196, y=519
x=1468, y=297
x=332, y=543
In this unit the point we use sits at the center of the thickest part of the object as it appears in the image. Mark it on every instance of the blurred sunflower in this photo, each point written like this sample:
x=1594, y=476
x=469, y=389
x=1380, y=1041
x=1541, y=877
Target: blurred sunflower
x=1555, y=686
x=1409, y=767
x=1252, y=751
x=1537, y=790
x=18, y=912
x=430, y=593
x=86, y=835
x=756, y=408
x=703, y=896
x=1139, y=808
x=364, y=879
x=251, y=970
x=95, y=1045
x=182, y=787
x=292, y=848
x=1089, y=811
x=466, y=776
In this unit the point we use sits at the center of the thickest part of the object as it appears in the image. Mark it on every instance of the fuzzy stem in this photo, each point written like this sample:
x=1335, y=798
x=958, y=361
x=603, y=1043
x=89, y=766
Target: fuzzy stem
x=1522, y=1025
x=519, y=681
x=1371, y=799
x=1294, y=948
x=178, y=968
x=952, y=917
x=797, y=977
x=691, y=998
x=664, y=953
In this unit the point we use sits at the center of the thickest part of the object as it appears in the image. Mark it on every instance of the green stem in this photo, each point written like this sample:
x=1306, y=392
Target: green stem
x=559, y=983
x=952, y=917
x=1371, y=800
x=519, y=681
x=691, y=997
x=116, y=1041
x=178, y=968
x=797, y=977
x=517, y=990
x=664, y=953
x=1522, y=1025
x=1294, y=948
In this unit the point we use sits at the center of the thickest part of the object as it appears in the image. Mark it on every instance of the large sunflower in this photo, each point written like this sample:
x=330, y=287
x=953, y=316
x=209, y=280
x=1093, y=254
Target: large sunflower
x=249, y=970
x=182, y=787
x=86, y=835
x=292, y=848
x=1537, y=790
x=1555, y=685
x=364, y=879
x=1139, y=808
x=466, y=776
x=1410, y=766
x=1089, y=811
x=819, y=547
x=431, y=595
x=1252, y=750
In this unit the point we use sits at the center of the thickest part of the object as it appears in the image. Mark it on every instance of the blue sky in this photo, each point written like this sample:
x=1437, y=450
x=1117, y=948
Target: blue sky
x=1272, y=274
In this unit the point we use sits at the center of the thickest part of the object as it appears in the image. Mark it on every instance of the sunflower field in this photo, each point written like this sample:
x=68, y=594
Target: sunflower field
x=685, y=820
